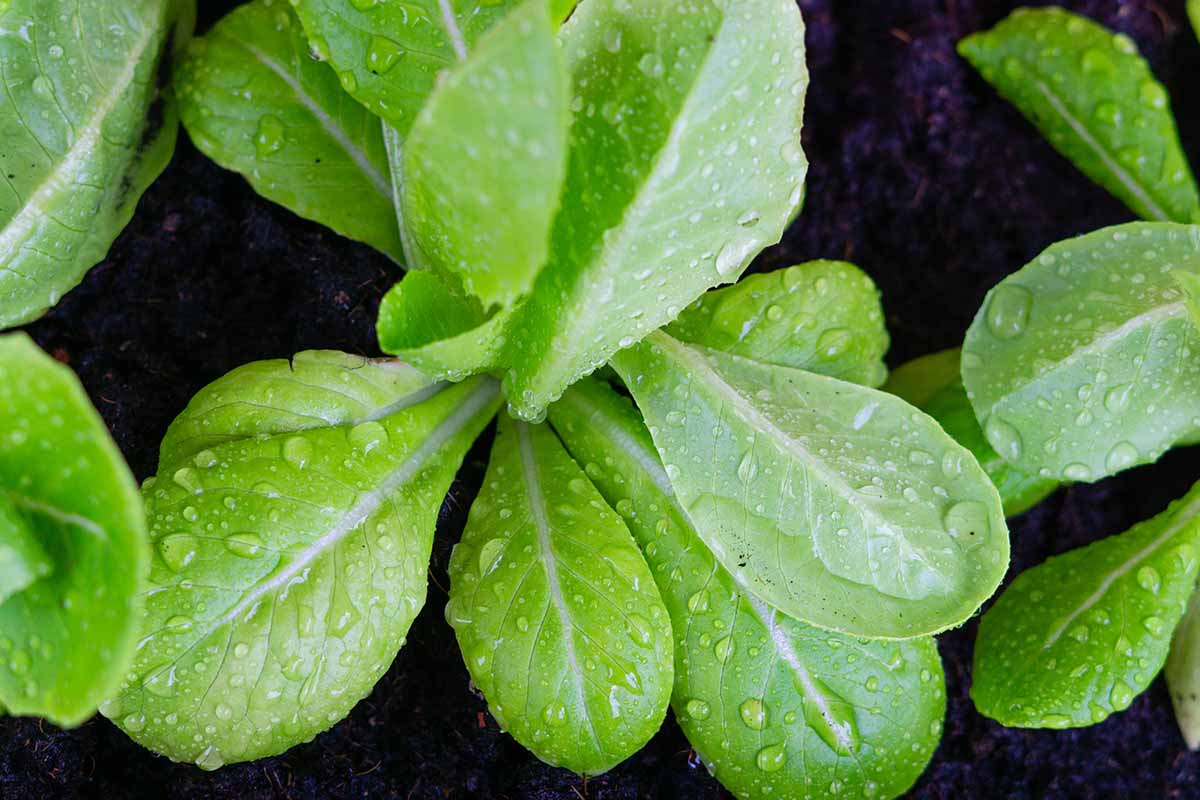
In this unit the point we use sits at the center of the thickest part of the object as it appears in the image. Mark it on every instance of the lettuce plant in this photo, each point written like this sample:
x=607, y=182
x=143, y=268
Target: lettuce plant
x=1079, y=366
x=83, y=137
x=73, y=552
x=771, y=550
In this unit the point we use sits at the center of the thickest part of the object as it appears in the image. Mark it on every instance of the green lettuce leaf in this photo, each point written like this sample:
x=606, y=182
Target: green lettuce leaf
x=23, y=560
x=71, y=507
x=1082, y=363
x=484, y=162
x=1094, y=97
x=292, y=551
x=822, y=316
x=1183, y=673
x=1075, y=639
x=85, y=131
x=254, y=101
x=559, y=620
x=773, y=706
x=840, y=505
x=933, y=383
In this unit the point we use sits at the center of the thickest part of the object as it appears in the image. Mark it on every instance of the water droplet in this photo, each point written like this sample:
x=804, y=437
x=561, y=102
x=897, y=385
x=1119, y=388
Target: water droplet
x=298, y=451
x=834, y=343
x=268, y=139
x=205, y=459
x=1153, y=95
x=1096, y=61
x=367, y=436
x=698, y=603
x=697, y=709
x=747, y=467
x=723, y=649
x=187, y=479
x=349, y=82
x=651, y=65
x=180, y=624
x=134, y=723
x=489, y=553
x=177, y=550
x=1003, y=438
x=246, y=545
x=771, y=758
x=969, y=518
x=1121, y=695
x=210, y=759
x=754, y=713
x=1116, y=399
x=555, y=714
x=364, y=5
x=382, y=54
x=1077, y=472
x=1008, y=310
x=1121, y=456
x=1155, y=625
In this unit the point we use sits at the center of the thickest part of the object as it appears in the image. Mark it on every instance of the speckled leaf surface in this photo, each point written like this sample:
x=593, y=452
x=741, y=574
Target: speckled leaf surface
x=289, y=563
x=23, y=560
x=776, y=708
x=254, y=101
x=1075, y=639
x=933, y=383
x=389, y=54
x=1183, y=673
x=1082, y=363
x=822, y=316
x=559, y=620
x=1094, y=97
x=484, y=162
x=840, y=505
x=67, y=638
x=685, y=163
x=80, y=144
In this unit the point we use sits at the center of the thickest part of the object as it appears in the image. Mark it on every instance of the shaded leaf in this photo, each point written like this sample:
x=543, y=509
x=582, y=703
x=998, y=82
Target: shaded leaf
x=23, y=560
x=1183, y=673
x=1093, y=96
x=255, y=102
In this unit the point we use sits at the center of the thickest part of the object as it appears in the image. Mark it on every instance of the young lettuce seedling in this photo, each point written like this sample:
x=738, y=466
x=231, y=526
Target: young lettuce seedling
x=73, y=554
x=1094, y=97
x=81, y=143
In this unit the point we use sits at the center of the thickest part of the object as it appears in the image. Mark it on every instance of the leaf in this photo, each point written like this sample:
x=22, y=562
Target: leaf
x=1075, y=639
x=774, y=707
x=933, y=383
x=822, y=316
x=1193, y=10
x=388, y=55
x=1093, y=96
x=23, y=560
x=485, y=160
x=65, y=491
x=442, y=333
x=1082, y=363
x=685, y=163
x=291, y=560
x=840, y=505
x=313, y=389
x=555, y=610
x=83, y=137
x=255, y=102
x=1183, y=673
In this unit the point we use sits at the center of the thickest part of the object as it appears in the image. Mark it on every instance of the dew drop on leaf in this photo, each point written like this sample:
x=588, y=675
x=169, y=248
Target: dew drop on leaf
x=1008, y=311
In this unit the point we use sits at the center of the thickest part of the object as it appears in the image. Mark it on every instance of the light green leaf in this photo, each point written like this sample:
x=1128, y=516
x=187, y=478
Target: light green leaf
x=1082, y=363
x=290, y=561
x=1183, y=673
x=443, y=333
x=313, y=389
x=685, y=163
x=255, y=102
x=933, y=383
x=774, y=707
x=23, y=560
x=63, y=483
x=822, y=316
x=840, y=505
x=555, y=610
x=485, y=161
x=1077, y=638
x=1193, y=9
x=83, y=137
x=1094, y=97
x=388, y=55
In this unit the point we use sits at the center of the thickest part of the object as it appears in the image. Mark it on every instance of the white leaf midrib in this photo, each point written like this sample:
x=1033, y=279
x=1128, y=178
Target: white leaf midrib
x=19, y=227
x=381, y=183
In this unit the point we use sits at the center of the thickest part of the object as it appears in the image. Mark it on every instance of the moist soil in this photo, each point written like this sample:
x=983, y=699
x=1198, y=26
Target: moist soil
x=920, y=174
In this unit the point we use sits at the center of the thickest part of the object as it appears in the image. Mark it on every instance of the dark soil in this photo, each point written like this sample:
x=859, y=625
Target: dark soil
x=920, y=174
